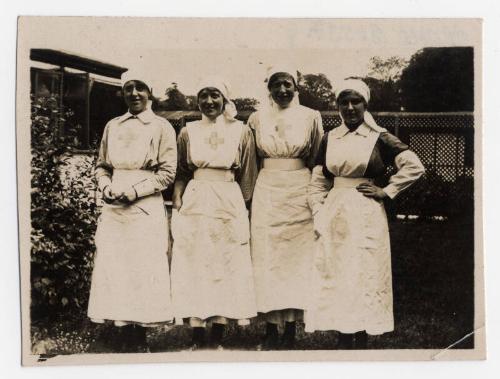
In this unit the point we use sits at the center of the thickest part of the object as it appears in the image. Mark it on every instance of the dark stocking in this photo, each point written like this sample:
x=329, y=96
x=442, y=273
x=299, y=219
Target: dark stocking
x=271, y=339
x=133, y=338
x=198, y=337
x=361, y=340
x=345, y=341
x=289, y=335
x=216, y=334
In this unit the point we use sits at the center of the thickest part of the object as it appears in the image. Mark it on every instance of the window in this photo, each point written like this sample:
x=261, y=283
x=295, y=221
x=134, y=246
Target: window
x=89, y=103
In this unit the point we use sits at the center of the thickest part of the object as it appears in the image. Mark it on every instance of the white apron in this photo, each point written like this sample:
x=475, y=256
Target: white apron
x=211, y=265
x=130, y=280
x=282, y=239
x=352, y=284
x=282, y=227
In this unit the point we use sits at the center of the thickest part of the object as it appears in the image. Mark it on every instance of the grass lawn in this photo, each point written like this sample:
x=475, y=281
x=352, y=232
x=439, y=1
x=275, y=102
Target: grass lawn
x=433, y=280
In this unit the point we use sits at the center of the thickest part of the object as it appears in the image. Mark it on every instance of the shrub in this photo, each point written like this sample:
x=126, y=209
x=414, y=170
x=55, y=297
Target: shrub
x=63, y=215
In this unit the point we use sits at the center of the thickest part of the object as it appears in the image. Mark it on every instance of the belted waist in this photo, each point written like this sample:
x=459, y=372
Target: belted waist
x=284, y=164
x=214, y=174
x=342, y=182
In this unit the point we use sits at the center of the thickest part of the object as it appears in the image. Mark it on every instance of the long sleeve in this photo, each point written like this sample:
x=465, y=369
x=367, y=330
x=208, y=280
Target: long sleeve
x=252, y=120
x=252, y=124
x=406, y=161
x=409, y=170
x=103, y=168
x=246, y=174
x=165, y=170
x=184, y=173
x=320, y=185
x=316, y=137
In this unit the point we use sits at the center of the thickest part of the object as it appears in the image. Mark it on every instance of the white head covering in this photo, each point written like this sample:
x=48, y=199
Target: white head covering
x=288, y=69
x=356, y=85
x=230, y=111
x=141, y=77
x=363, y=90
x=136, y=75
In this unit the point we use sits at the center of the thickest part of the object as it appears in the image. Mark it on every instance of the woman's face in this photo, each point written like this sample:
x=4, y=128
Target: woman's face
x=211, y=102
x=352, y=107
x=282, y=88
x=136, y=95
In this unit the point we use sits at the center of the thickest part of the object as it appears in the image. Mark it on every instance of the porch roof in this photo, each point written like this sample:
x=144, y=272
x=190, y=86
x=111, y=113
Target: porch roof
x=66, y=59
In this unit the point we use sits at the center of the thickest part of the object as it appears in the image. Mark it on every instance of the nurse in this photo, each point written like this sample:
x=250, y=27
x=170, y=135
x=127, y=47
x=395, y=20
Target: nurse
x=212, y=278
x=287, y=137
x=137, y=160
x=352, y=278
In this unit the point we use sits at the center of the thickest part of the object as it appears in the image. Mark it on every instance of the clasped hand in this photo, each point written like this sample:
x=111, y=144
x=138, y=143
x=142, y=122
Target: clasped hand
x=126, y=197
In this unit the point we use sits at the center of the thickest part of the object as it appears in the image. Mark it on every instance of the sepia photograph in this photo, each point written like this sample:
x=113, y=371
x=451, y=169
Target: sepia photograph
x=209, y=189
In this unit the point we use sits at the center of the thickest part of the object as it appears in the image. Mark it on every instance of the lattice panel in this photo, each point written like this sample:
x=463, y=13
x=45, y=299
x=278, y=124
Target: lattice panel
x=447, y=173
x=177, y=124
x=387, y=122
x=434, y=120
x=469, y=172
x=330, y=122
x=423, y=146
x=460, y=148
x=445, y=150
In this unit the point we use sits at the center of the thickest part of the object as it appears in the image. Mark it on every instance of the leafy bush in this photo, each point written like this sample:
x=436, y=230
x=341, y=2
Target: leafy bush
x=63, y=215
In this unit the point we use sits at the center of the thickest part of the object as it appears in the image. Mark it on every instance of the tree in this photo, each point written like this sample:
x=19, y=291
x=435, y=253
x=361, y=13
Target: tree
x=245, y=104
x=315, y=91
x=439, y=80
x=175, y=100
x=192, y=102
x=384, y=95
x=386, y=70
x=384, y=82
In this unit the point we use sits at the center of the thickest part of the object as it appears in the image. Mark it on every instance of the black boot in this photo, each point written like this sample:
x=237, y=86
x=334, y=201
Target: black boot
x=216, y=336
x=271, y=339
x=360, y=340
x=107, y=339
x=140, y=339
x=126, y=338
x=345, y=341
x=133, y=339
x=198, y=340
x=288, y=340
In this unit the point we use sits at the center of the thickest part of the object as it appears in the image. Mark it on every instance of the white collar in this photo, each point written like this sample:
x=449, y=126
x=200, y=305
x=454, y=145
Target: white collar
x=342, y=130
x=146, y=116
x=220, y=120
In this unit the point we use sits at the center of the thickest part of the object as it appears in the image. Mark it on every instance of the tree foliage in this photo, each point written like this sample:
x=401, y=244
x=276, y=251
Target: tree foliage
x=316, y=92
x=63, y=216
x=245, y=104
x=386, y=70
x=439, y=80
x=175, y=100
x=384, y=95
x=384, y=82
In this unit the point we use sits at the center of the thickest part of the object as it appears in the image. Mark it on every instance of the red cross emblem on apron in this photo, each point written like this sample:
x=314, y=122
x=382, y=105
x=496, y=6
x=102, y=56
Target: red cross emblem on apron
x=214, y=140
